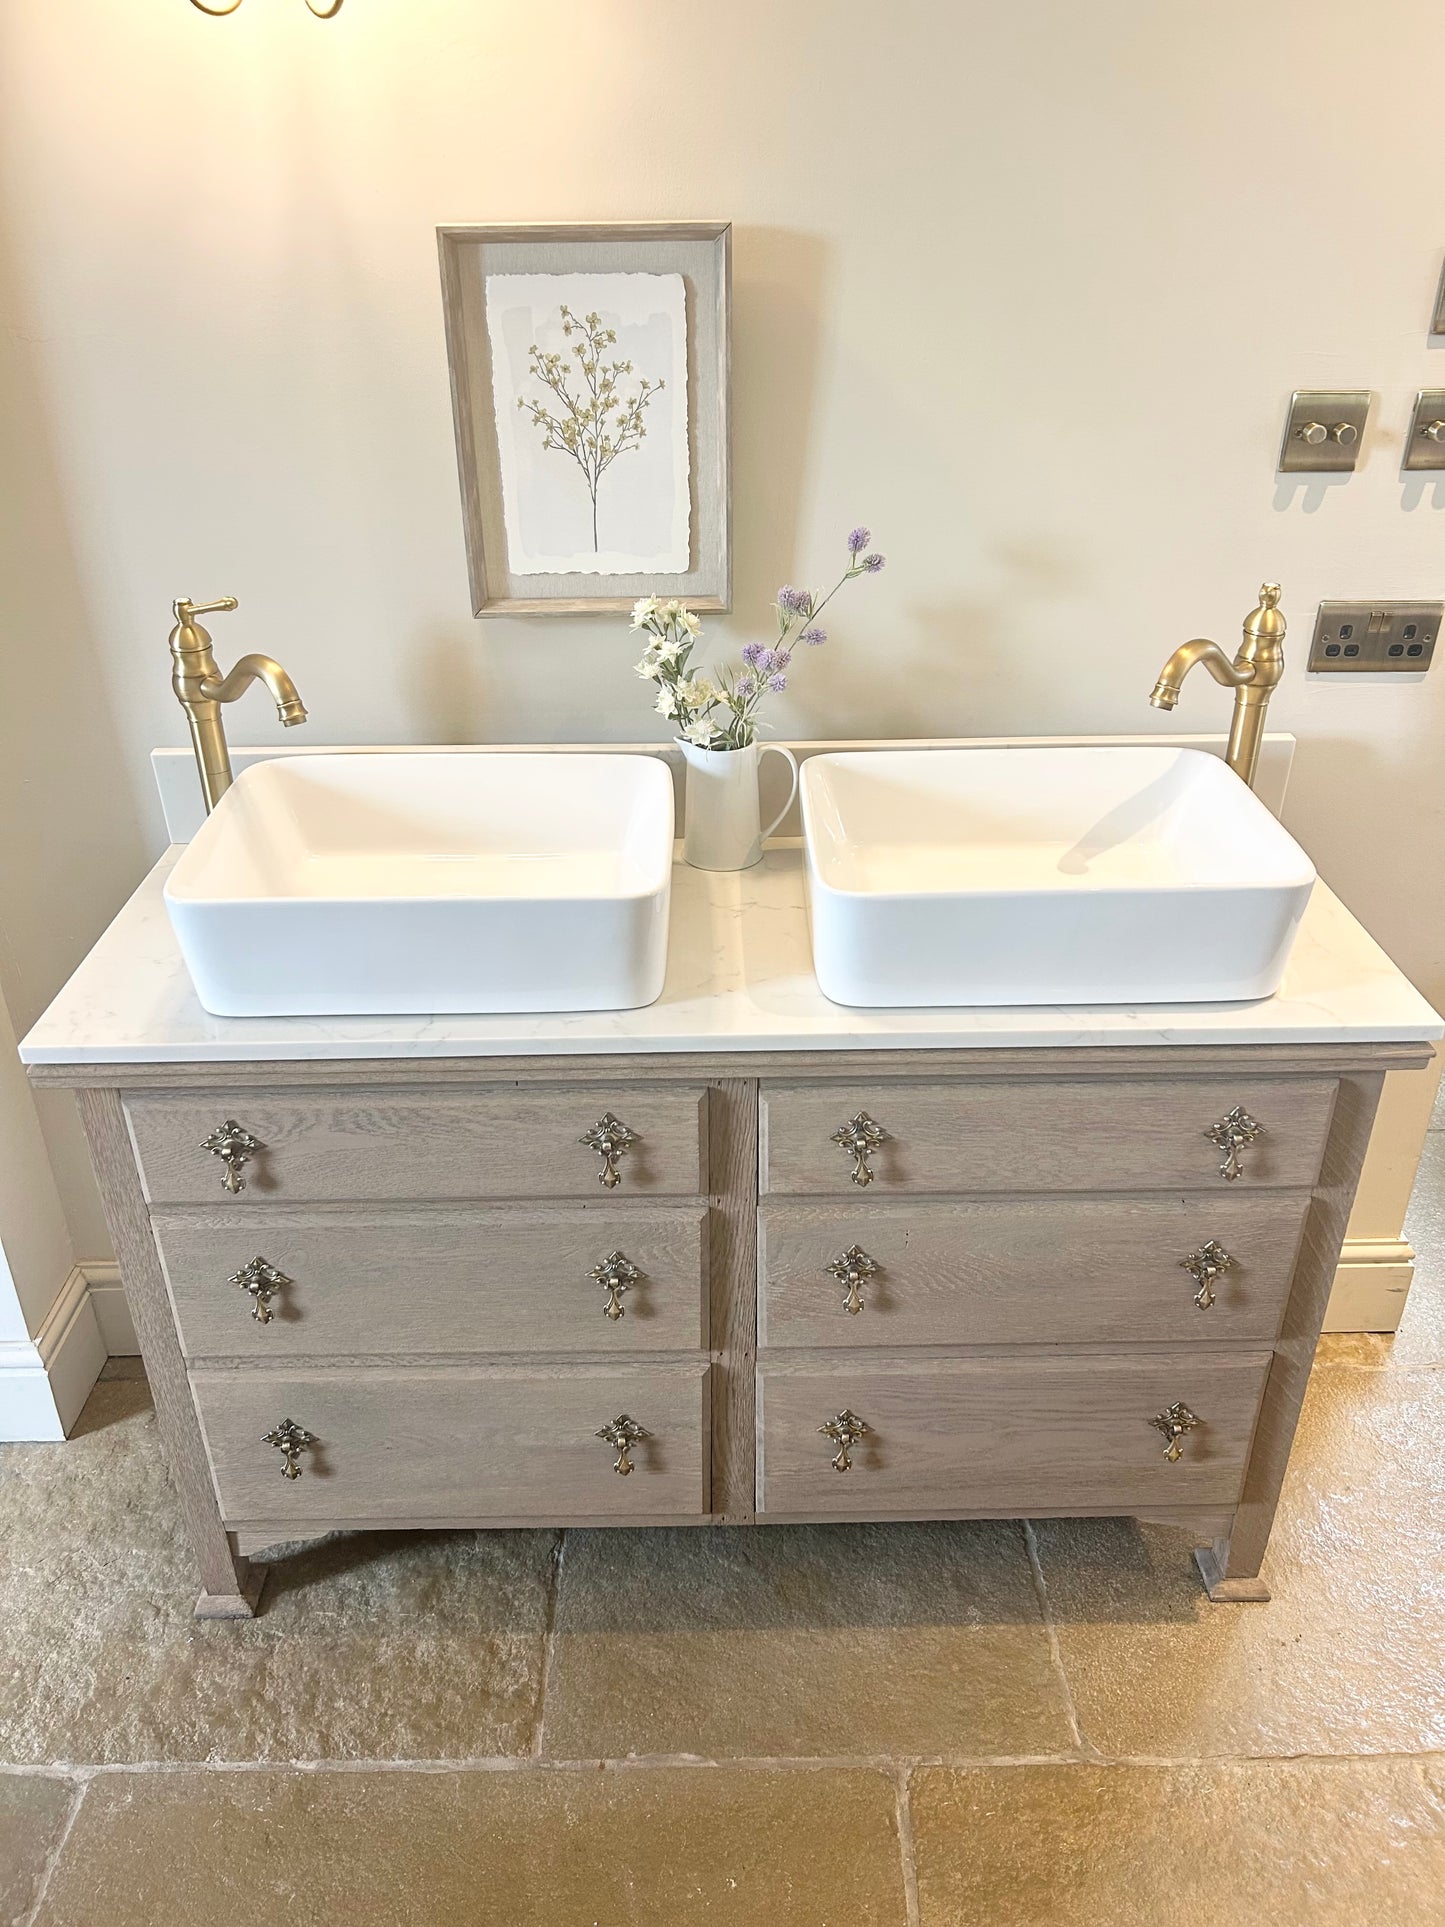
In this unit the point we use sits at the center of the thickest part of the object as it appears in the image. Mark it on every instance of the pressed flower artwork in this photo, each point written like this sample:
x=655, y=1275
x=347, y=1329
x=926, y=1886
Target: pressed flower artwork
x=589, y=377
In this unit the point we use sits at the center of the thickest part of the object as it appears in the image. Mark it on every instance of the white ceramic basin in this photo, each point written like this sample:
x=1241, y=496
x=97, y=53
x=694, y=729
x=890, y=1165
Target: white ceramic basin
x=1045, y=876
x=398, y=884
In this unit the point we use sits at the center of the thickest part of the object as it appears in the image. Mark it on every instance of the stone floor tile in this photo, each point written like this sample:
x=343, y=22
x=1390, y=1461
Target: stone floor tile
x=408, y=1645
x=629, y=1847
x=1421, y=1337
x=814, y=1641
x=1348, y=1656
x=1291, y=1844
x=128, y=1365
x=32, y=1819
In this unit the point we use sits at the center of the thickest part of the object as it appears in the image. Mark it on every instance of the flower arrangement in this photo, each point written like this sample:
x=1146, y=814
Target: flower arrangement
x=722, y=713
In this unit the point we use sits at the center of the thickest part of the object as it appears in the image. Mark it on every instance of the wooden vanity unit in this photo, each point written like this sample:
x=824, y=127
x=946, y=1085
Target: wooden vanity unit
x=476, y=1283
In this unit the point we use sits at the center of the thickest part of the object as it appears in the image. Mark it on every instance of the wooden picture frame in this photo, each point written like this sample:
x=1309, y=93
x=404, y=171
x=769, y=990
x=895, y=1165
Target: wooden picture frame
x=701, y=253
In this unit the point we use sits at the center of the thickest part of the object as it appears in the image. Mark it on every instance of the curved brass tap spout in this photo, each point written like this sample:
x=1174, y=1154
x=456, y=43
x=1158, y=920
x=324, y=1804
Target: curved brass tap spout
x=1253, y=676
x=201, y=689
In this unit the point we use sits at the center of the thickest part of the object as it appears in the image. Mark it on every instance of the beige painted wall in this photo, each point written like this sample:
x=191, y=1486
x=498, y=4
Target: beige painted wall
x=1024, y=286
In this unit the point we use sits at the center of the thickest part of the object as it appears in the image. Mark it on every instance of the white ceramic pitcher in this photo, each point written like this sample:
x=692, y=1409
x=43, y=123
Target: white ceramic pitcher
x=722, y=827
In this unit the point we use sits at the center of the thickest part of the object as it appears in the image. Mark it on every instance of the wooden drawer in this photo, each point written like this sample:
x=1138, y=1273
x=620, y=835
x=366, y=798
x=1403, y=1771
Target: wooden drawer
x=996, y=1134
x=376, y=1146
x=1027, y=1271
x=1008, y=1435
x=408, y=1446
x=420, y=1282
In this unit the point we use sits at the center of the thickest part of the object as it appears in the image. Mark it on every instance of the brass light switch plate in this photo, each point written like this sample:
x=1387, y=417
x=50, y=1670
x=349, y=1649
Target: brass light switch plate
x=1425, y=443
x=1324, y=431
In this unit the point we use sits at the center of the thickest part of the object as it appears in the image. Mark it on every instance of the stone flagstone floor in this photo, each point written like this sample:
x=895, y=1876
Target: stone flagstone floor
x=1008, y=1725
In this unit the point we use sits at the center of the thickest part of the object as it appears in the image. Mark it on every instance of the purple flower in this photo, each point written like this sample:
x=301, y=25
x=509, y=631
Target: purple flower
x=781, y=658
x=872, y=563
x=777, y=684
x=745, y=686
x=765, y=661
x=814, y=636
x=858, y=540
x=796, y=602
x=753, y=653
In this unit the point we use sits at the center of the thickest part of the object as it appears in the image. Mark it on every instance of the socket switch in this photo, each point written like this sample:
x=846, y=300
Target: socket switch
x=1323, y=433
x=1355, y=637
x=1425, y=442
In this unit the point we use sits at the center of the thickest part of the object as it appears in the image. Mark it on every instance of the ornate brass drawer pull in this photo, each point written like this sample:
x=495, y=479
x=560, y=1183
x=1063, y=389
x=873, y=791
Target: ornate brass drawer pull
x=622, y=1434
x=1211, y=1261
x=234, y=1146
x=845, y=1428
x=611, y=1140
x=1175, y=1422
x=615, y=1274
x=860, y=1137
x=262, y=1281
x=852, y=1269
x=290, y=1440
x=1232, y=1134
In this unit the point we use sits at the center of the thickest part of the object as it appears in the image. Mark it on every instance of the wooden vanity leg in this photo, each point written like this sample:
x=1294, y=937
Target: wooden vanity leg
x=230, y=1588
x=1230, y=1566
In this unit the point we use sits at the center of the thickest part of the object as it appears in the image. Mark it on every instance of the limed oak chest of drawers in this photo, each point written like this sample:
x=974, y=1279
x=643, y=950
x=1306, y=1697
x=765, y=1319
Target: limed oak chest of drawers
x=687, y=1289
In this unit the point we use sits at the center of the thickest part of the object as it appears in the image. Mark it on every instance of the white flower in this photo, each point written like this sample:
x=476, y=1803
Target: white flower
x=666, y=704
x=647, y=668
x=700, y=732
x=642, y=609
x=697, y=693
x=690, y=622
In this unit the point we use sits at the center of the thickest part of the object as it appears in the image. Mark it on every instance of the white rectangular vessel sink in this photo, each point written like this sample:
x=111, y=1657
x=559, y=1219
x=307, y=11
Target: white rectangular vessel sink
x=1045, y=876
x=364, y=885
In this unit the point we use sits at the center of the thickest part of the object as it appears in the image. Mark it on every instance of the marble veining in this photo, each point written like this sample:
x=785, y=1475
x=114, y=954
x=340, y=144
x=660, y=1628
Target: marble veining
x=739, y=978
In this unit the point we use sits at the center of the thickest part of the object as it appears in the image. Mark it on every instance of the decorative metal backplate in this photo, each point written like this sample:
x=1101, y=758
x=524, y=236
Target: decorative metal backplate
x=616, y=1275
x=1175, y=1421
x=852, y=1268
x=622, y=1434
x=611, y=1140
x=845, y=1428
x=1211, y=1261
x=234, y=1146
x=860, y=1137
x=1232, y=1134
x=290, y=1440
x=261, y=1280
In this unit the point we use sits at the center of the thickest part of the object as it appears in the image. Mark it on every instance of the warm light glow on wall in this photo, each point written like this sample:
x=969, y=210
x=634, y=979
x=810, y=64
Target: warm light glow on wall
x=320, y=8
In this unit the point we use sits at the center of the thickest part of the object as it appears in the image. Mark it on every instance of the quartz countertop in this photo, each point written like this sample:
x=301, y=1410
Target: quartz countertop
x=739, y=978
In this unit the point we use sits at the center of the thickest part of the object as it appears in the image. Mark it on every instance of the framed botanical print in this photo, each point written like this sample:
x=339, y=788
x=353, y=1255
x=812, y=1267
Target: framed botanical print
x=590, y=370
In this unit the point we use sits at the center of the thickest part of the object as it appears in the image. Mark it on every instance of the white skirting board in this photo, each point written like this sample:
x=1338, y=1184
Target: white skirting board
x=46, y=1380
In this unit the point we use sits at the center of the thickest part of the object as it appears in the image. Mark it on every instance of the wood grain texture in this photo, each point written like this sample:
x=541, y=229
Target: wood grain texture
x=733, y=1141
x=1237, y=1557
x=1059, y=1271
x=1002, y=1135
x=396, y=1445
x=508, y=1279
x=229, y=1589
x=1030, y=1434
x=480, y=1070
x=370, y=1147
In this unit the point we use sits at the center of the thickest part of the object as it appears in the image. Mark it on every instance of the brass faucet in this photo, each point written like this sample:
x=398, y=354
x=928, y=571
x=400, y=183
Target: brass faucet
x=1252, y=676
x=201, y=689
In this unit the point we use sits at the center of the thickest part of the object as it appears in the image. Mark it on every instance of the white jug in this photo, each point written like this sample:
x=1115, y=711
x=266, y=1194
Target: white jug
x=722, y=828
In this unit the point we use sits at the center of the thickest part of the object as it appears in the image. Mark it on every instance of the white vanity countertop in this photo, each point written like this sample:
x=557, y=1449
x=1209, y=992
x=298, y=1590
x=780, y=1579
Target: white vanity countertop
x=739, y=978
